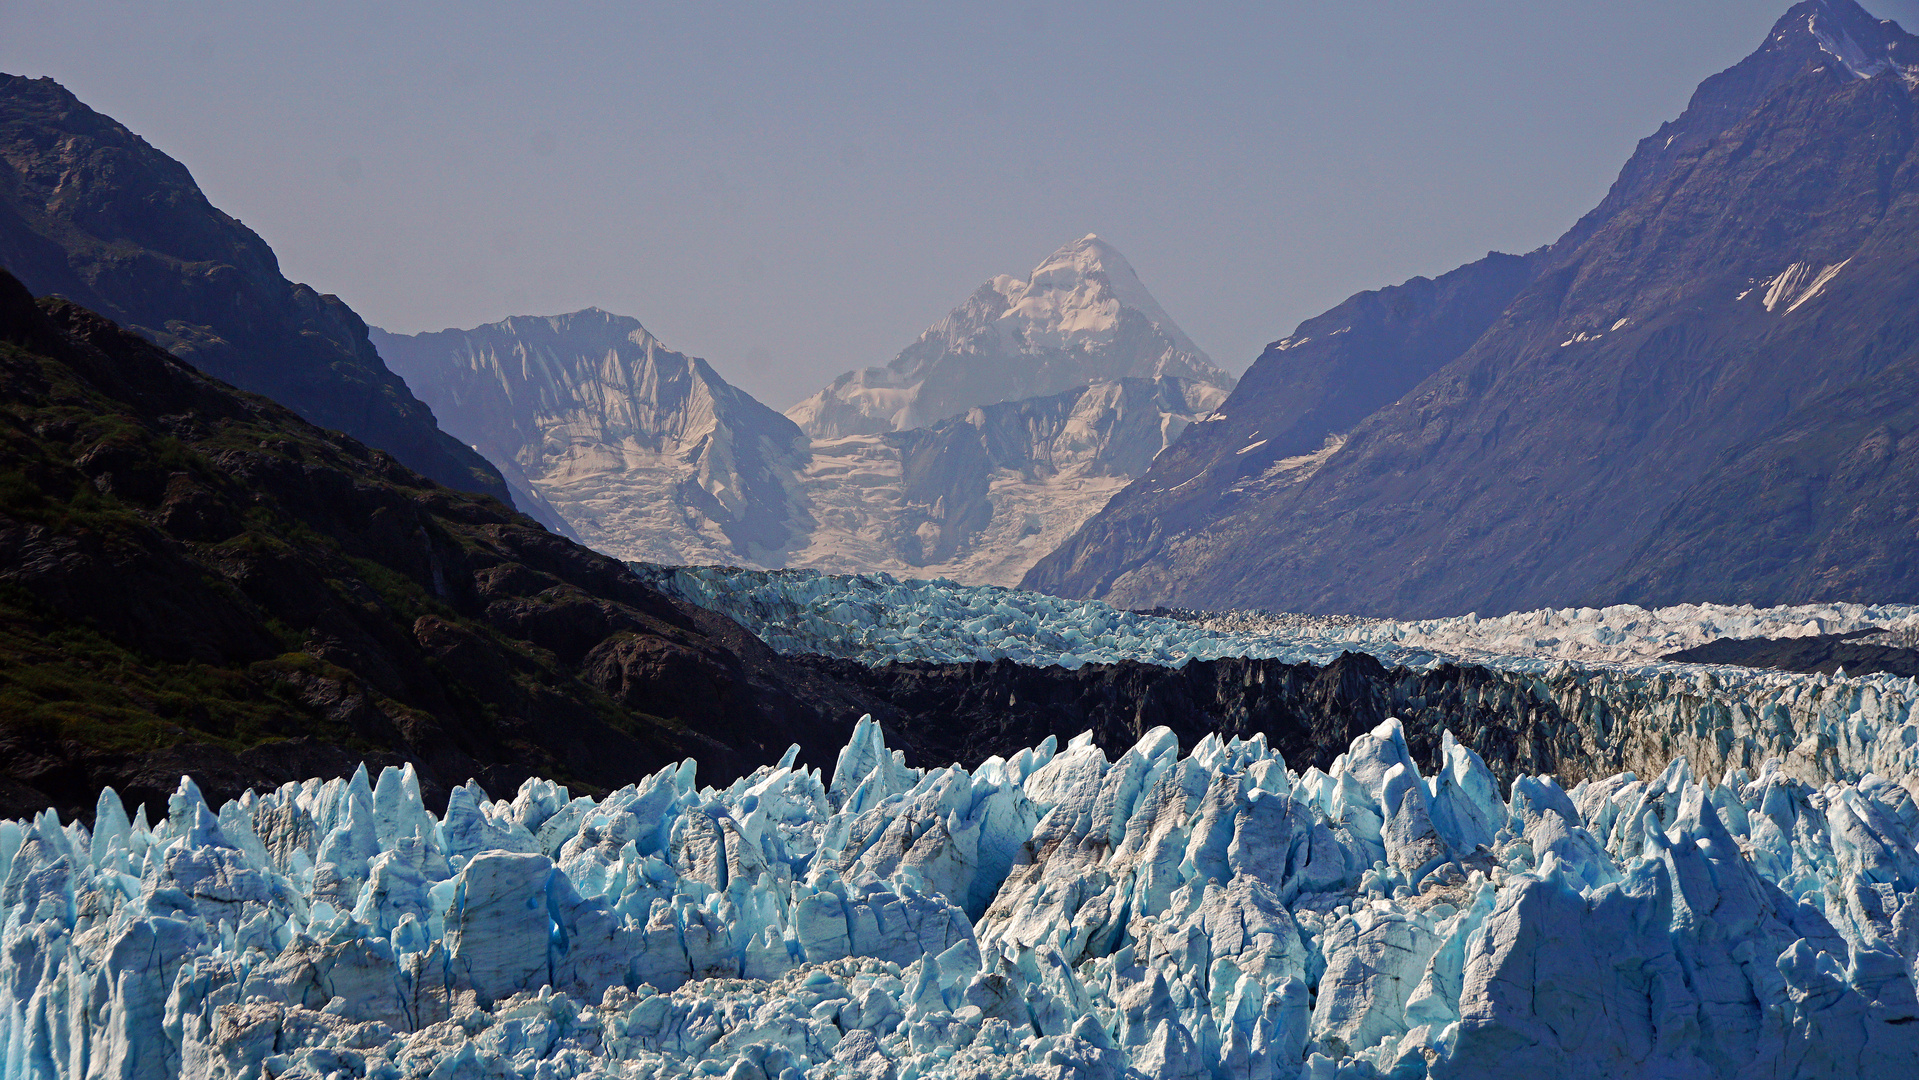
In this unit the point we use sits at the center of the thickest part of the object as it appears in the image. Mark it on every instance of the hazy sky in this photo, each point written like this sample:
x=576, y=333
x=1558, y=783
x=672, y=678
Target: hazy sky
x=792, y=190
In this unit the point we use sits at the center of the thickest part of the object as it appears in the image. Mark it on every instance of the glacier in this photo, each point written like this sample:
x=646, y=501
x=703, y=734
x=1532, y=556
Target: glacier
x=878, y=618
x=1207, y=913
x=1598, y=668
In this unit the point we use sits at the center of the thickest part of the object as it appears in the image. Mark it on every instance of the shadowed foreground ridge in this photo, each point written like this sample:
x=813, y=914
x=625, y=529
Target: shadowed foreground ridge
x=92, y=212
x=193, y=579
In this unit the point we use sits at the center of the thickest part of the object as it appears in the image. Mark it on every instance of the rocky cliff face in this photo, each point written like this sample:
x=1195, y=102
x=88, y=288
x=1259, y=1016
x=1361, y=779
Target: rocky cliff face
x=980, y=497
x=1701, y=392
x=90, y=211
x=644, y=453
x=1082, y=315
x=194, y=579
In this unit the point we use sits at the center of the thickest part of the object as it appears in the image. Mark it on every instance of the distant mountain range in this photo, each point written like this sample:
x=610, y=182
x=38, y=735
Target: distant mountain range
x=648, y=454
x=1708, y=389
x=90, y=211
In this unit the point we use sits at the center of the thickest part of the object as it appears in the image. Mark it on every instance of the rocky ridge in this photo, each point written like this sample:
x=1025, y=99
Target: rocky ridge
x=92, y=212
x=642, y=452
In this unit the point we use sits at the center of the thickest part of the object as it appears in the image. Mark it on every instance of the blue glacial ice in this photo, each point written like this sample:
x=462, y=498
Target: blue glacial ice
x=877, y=619
x=1053, y=914
x=1600, y=667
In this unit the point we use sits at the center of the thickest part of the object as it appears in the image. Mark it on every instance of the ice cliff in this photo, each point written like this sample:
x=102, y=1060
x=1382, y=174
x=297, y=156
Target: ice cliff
x=1055, y=914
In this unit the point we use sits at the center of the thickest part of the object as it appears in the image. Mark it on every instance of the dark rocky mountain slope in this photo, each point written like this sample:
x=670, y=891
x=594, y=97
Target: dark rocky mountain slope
x=1704, y=391
x=193, y=579
x=1826, y=654
x=90, y=211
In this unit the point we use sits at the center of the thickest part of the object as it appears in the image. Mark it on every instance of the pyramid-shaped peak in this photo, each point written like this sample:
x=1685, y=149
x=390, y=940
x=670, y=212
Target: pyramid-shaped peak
x=1089, y=252
x=1073, y=265
x=1865, y=45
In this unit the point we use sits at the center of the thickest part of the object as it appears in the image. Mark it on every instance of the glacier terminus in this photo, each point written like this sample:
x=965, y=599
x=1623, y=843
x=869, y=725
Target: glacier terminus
x=1197, y=912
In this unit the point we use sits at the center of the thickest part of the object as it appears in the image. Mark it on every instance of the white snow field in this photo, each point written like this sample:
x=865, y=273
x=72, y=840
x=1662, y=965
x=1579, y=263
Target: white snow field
x=1054, y=915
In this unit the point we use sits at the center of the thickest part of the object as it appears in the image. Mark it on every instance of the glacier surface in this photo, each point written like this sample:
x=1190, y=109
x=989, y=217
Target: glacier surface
x=1054, y=914
x=878, y=618
x=1598, y=667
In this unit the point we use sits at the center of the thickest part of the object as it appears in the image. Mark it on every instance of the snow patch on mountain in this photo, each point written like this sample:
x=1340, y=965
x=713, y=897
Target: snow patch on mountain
x=1081, y=315
x=1864, y=46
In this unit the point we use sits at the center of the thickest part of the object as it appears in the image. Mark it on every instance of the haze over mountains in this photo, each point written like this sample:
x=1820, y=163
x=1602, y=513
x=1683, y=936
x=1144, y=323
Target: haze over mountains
x=648, y=454
x=1705, y=390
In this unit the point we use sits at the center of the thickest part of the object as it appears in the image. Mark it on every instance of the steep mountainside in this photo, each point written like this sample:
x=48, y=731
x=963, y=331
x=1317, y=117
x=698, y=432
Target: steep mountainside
x=643, y=452
x=979, y=498
x=1287, y=416
x=648, y=455
x=1081, y=315
x=193, y=578
x=1702, y=392
x=90, y=211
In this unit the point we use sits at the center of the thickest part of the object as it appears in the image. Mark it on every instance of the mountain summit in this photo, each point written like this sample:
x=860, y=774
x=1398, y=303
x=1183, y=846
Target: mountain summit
x=1704, y=391
x=1082, y=315
x=644, y=453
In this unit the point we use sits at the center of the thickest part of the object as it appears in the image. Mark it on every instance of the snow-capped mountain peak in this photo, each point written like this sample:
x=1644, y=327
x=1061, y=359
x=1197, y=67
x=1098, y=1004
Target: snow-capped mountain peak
x=1865, y=46
x=1080, y=316
x=1081, y=288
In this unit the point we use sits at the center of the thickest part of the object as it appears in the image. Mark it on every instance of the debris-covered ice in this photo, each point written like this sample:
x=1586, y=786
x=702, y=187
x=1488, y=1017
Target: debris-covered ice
x=1055, y=914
